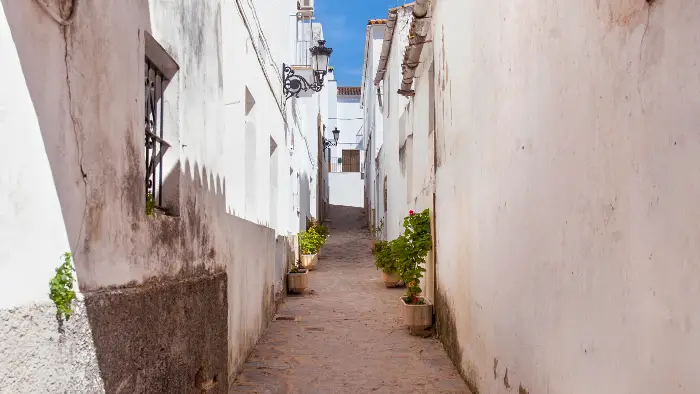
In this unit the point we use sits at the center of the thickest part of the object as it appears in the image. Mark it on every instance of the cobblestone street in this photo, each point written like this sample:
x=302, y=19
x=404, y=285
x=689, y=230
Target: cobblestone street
x=345, y=335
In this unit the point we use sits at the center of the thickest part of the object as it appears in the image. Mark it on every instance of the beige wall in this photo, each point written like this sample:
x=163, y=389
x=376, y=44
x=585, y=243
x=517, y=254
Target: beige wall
x=567, y=185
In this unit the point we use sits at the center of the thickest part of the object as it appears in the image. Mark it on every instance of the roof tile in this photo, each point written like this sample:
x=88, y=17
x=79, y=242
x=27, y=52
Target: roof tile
x=349, y=91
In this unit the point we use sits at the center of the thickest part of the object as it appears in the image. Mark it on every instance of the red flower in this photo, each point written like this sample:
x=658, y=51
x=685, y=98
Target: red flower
x=411, y=212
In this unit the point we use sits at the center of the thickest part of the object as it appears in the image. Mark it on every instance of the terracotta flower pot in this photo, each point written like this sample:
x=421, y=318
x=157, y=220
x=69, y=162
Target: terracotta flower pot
x=309, y=261
x=391, y=280
x=416, y=317
x=298, y=282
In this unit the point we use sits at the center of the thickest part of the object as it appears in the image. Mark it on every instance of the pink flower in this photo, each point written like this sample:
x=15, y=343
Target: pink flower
x=411, y=212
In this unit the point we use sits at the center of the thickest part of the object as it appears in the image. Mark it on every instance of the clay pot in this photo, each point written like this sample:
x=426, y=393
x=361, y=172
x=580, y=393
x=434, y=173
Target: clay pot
x=298, y=282
x=417, y=317
x=391, y=280
x=309, y=261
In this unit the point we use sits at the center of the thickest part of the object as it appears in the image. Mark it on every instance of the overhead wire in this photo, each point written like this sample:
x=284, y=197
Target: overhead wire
x=258, y=52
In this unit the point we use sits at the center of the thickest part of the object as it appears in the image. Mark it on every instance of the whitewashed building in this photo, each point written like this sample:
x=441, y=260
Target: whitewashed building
x=372, y=105
x=180, y=261
x=557, y=148
x=345, y=162
x=385, y=183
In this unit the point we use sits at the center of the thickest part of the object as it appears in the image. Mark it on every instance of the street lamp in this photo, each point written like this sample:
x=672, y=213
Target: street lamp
x=328, y=143
x=294, y=84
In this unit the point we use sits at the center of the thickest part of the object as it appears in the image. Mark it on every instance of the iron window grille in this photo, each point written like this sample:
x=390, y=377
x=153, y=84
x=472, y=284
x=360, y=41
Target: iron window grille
x=155, y=145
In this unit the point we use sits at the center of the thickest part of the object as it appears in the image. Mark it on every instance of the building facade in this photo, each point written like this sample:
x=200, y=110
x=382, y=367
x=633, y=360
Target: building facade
x=346, y=157
x=556, y=148
x=152, y=141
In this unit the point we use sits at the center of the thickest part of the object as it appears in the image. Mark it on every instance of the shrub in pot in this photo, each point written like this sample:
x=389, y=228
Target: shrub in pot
x=321, y=230
x=385, y=261
x=297, y=279
x=310, y=242
x=410, y=250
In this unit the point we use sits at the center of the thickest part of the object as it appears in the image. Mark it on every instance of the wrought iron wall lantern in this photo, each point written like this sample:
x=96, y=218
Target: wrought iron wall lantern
x=294, y=84
x=328, y=143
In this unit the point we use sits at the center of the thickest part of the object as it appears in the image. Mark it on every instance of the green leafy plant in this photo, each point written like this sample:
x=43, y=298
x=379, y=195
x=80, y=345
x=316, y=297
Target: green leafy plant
x=61, y=287
x=310, y=242
x=384, y=258
x=321, y=229
x=150, y=204
x=297, y=269
x=410, y=250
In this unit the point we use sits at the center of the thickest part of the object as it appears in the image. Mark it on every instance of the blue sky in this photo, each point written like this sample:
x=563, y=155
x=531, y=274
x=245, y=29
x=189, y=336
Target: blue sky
x=344, y=26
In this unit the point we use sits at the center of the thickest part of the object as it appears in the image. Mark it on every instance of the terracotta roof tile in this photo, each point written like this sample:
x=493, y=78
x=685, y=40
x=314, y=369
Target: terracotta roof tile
x=349, y=91
x=376, y=22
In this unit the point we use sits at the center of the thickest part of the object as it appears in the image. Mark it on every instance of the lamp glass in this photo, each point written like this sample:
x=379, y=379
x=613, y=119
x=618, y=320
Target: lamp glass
x=336, y=134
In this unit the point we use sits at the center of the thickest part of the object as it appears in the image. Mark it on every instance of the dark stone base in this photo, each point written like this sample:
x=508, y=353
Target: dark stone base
x=162, y=337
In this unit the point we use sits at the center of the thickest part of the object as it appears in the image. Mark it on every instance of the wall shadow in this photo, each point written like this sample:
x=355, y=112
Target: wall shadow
x=304, y=201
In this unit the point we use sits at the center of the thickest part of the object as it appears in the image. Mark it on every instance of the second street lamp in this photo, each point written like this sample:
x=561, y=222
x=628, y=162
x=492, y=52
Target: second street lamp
x=328, y=143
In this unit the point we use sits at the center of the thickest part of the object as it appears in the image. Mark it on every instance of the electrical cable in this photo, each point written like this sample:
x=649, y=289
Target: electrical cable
x=264, y=70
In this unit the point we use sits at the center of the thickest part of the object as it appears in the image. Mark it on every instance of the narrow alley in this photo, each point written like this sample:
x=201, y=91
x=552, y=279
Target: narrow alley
x=345, y=335
x=171, y=173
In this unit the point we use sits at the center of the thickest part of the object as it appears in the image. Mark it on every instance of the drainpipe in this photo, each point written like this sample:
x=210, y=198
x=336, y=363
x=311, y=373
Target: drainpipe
x=421, y=8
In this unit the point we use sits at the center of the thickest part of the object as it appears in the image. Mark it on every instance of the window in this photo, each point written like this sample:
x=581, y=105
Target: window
x=159, y=70
x=386, y=196
x=351, y=160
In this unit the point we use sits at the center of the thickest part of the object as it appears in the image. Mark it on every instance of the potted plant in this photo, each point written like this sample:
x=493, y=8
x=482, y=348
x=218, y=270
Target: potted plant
x=322, y=230
x=297, y=279
x=309, y=243
x=385, y=261
x=410, y=250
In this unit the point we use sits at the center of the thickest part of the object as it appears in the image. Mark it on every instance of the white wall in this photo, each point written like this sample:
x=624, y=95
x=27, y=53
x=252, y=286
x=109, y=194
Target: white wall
x=346, y=189
x=32, y=227
x=566, y=192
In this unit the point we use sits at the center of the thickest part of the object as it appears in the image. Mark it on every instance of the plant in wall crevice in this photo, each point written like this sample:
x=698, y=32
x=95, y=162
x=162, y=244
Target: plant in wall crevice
x=61, y=288
x=410, y=250
x=150, y=204
x=376, y=231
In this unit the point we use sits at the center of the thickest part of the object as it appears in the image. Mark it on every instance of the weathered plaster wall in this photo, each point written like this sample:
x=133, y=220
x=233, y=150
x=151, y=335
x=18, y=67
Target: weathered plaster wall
x=567, y=194
x=196, y=290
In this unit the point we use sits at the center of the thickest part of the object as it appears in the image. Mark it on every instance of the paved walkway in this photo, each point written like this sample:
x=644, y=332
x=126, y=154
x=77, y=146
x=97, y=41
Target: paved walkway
x=347, y=336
